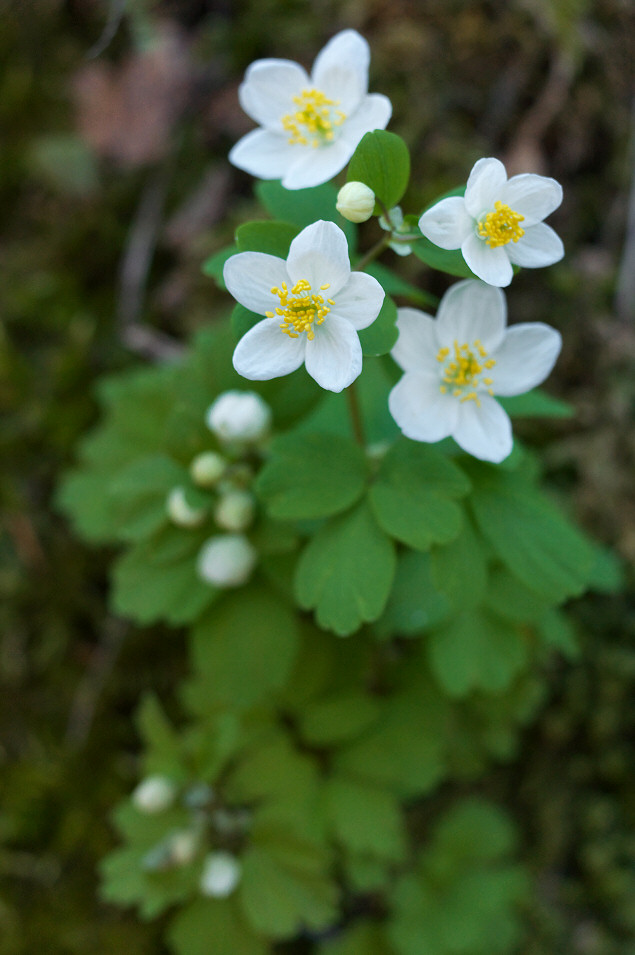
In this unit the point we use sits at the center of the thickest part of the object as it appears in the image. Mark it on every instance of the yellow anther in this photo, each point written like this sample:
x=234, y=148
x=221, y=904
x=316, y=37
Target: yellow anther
x=501, y=226
x=300, y=309
x=314, y=120
x=461, y=370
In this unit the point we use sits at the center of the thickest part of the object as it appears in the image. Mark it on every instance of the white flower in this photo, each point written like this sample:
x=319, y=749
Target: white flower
x=239, y=416
x=395, y=224
x=310, y=126
x=314, y=307
x=454, y=365
x=181, y=512
x=207, y=468
x=235, y=510
x=227, y=560
x=182, y=846
x=154, y=794
x=498, y=223
x=355, y=201
x=221, y=875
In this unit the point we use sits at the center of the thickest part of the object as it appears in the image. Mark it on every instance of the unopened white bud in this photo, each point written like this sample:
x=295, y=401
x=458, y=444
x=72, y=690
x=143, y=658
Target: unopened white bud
x=226, y=560
x=208, y=468
x=181, y=512
x=235, y=511
x=221, y=875
x=355, y=201
x=154, y=794
x=182, y=846
x=239, y=416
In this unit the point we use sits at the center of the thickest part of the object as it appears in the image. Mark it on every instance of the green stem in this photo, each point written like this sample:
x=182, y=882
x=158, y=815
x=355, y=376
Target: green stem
x=373, y=252
x=355, y=413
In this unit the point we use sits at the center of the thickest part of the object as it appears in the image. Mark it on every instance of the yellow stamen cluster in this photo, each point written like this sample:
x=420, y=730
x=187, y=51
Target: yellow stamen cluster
x=314, y=120
x=300, y=308
x=461, y=370
x=501, y=226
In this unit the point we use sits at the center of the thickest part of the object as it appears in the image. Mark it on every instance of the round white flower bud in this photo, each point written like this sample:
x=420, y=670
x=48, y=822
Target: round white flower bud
x=181, y=512
x=154, y=794
x=239, y=416
x=355, y=201
x=226, y=560
x=235, y=511
x=182, y=846
x=221, y=875
x=208, y=468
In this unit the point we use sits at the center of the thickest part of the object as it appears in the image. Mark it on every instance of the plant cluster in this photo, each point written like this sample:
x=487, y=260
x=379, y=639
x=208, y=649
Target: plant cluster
x=346, y=469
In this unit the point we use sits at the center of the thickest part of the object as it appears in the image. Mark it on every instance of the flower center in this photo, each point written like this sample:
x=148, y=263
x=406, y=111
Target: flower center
x=462, y=369
x=314, y=120
x=501, y=226
x=300, y=308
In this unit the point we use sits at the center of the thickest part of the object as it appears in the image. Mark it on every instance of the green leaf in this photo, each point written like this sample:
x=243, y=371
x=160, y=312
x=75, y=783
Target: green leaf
x=139, y=494
x=243, y=319
x=404, y=751
x=274, y=238
x=285, y=885
x=536, y=403
x=395, y=284
x=509, y=598
x=163, y=744
x=464, y=898
x=411, y=496
x=148, y=592
x=382, y=162
x=214, y=265
x=379, y=337
x=415, y=603
x=444, y=260
x=529, y=535
x=365, y=819
x=244, y=647
x=360, y=939
x=125, y=877
x=346, y=571
x=311, y=476
x=339, y=717
x=208, y=925
x=303, y=207
x=476, y=650
x=273, y=774
x=459, y=568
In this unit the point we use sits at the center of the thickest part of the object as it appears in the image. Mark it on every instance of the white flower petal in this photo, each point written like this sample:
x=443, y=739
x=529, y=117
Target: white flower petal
x=484, y=185
x=311, y=167
x=490, y=265
x=265, y=352
x=264, y=154
x=471, y=311
x=340, y=69
x=447, y=223
x=417, y=346
x=539, y=246
x=535, y=197
x=525, y=358
x=268, y=90
x=484, y=430
x=420, y=409
x=250, y=276
x=334, y=357
x=319, y=254
x=373, y=113
x=360, y=301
